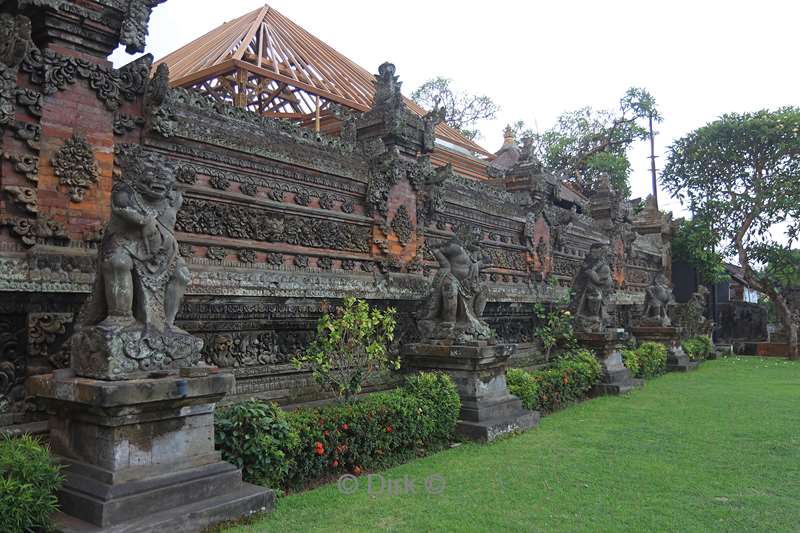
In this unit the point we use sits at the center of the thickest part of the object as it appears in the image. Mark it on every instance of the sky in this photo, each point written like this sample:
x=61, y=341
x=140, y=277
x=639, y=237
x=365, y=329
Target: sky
x=537, y=59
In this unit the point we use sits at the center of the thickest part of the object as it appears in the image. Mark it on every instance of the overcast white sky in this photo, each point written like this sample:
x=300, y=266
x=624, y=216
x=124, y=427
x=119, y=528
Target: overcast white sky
x=536, y=59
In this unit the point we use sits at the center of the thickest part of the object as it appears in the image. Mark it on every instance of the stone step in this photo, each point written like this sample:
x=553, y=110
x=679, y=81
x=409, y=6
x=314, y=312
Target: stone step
x=96, y=502
x=489, y=430
x=184, y=519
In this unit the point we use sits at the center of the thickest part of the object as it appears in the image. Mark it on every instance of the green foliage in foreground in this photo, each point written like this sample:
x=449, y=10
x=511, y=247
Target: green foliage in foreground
x=698, y=348
x=570, y=379
x=716, y=449
x=291, y=450
x=646, y=361
x=28, y=485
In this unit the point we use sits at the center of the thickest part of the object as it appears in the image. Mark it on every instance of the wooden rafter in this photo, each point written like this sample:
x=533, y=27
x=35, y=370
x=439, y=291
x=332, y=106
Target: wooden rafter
x=239, y=61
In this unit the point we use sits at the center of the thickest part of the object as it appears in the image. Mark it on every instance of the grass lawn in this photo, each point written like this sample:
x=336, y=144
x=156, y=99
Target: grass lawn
x=717, y=449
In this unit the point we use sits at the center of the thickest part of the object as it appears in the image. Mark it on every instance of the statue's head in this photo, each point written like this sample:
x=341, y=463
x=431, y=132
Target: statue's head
x=597, y=251
x=151, y=174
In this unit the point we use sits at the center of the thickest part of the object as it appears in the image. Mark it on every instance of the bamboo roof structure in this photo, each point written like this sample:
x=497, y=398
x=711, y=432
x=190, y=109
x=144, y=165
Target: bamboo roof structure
x=266, y=63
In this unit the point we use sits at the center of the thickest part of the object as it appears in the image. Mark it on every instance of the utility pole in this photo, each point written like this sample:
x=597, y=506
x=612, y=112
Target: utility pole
x=653, y=162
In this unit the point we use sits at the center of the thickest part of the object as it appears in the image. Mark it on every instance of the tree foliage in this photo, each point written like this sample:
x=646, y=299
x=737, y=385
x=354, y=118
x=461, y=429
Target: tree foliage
x=740, y=176
x=351, y=344
x=695, y=243
x=462, y=110
x=586, y=143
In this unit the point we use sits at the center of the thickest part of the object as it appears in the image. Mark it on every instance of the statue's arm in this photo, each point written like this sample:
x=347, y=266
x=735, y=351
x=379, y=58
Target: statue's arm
x=121, y=203
x=444, y=264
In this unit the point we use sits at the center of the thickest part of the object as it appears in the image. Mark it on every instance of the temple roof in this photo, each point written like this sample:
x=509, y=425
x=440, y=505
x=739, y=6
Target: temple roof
x=275, y=67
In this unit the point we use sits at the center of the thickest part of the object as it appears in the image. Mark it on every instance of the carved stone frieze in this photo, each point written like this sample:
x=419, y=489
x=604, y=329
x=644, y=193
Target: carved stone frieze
x=242, y=222
x=75, y=165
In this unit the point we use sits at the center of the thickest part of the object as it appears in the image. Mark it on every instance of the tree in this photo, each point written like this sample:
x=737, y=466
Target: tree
x=740, y=176
x=350, y=345
x=696, y=243
x=587, y=143
x=462, y=110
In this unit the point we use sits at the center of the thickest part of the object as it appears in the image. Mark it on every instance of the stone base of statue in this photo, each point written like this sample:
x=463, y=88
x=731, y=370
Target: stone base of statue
x=115, y=351
x=617, y=379
x=139, y=454
x=478, y=369
x=677, y=360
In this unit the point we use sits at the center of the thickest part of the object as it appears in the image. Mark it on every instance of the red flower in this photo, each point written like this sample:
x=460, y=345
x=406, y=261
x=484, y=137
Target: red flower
x=566, y=380
x=335, y=463
x=345, y=427
x=389, y=429
x=319, y=449
x=357, y=470
x=321, y=422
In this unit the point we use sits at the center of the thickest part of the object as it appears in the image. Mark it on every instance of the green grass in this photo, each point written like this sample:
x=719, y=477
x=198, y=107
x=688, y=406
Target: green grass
x=717, y=449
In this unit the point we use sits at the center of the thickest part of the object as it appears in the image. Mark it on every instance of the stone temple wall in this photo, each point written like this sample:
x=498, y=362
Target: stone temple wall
x=278, y=223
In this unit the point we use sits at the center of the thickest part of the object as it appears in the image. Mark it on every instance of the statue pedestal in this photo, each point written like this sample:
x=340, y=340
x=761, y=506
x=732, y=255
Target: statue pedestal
x=677, y=360
x=139, y=454
x=478, y=369
x=617, y=379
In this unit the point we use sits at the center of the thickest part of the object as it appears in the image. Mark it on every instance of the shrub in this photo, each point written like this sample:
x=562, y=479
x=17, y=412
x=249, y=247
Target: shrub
x=443, y=403
x=570, y=379
x=523, y=385
x=698, y=348
x=555, y=328
x=630, y=358
x=256, y=437
x=652, y=359
x=377, y=431
x=28, y=485
x=350, y=345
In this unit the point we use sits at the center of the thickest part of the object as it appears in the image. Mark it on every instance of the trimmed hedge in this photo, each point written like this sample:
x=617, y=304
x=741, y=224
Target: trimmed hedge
x=646, y=361
x=291, y=450
x=570, y=379
x=28, y=485
x=698, y=348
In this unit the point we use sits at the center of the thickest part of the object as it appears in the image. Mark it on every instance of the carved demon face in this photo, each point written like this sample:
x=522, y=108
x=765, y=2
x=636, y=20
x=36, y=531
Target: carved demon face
x=155, y=181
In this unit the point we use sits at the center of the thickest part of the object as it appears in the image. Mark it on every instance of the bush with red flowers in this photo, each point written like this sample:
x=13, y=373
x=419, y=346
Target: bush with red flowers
x=377, y=431
x=569, y=380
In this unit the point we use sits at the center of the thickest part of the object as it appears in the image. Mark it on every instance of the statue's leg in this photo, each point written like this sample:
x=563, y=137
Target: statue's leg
x=480, y=303
x=449, y=300
x=118, y=278
x=175, y=290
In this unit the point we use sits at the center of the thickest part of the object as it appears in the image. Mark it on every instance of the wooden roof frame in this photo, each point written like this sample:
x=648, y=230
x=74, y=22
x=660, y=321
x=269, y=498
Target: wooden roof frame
x=265, y=45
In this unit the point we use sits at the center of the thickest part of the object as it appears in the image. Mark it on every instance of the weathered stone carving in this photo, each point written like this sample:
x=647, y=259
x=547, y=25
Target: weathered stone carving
x=128, y=325
x=15, y=39
x=134, y=26
x=44, y=330
x=658, y=298
x=457, y=299
x=8, y=84
x=54, y=72
x=216, y=253
x=690, y=316
x=402, y=226
x=75, y=165
x=27, y=165
x=243, y=222
x=28, y=132
x=247, y=255
x=25, y=197
x=591, y=286
x=31, y=231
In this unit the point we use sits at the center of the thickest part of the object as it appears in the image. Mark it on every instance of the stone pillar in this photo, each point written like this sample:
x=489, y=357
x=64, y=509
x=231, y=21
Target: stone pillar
x=478, y=369
x=677, y=360
x=617, y=379
x=139, y=454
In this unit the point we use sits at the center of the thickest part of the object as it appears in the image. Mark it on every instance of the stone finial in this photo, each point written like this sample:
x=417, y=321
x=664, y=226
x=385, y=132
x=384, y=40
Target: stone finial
x=508, y=135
